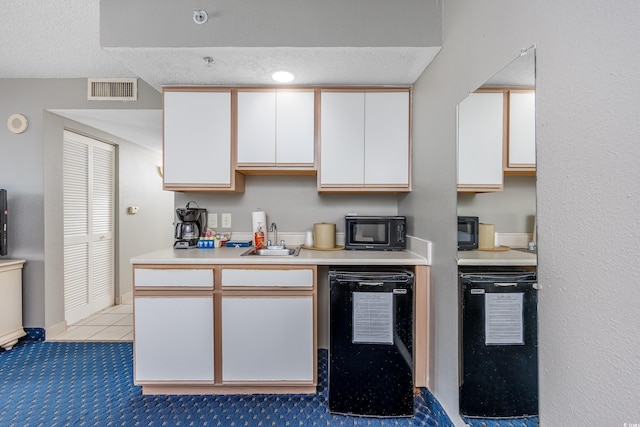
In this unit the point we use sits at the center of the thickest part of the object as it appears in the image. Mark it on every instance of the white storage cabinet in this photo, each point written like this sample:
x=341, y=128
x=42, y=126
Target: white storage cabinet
x=197, y=141
x=276, y=128
x=480, y=142
x=522, y=130
x=268, y=325
x=365, y=141
x=11, y=303
x=174, y=339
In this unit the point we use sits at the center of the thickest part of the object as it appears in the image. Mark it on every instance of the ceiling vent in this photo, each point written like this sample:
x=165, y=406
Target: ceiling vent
x=113, y=89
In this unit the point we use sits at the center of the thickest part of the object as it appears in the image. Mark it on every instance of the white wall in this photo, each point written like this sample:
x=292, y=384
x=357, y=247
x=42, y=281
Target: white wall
x=588, y=84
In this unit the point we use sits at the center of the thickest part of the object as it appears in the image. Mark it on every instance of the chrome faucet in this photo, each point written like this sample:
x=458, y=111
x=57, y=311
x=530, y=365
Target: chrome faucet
x=274, y=229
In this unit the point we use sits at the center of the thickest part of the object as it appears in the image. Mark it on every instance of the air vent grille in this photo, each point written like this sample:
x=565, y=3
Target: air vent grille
x=113, y=89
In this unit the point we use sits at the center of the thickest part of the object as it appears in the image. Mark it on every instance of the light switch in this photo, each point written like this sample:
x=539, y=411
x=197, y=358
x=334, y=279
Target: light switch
x=212, y=220
x=133, y=210
x=226, y=220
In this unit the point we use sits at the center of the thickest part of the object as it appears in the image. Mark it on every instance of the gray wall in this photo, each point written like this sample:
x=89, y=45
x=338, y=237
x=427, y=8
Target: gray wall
x=293, y=203
x=31, y=170
x=332, y=23
x=140, y=184
x=587, y=88
x=511, y=210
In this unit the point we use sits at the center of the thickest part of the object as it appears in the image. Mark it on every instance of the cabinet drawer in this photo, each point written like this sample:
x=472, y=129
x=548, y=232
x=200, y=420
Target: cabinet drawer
x=161, y=278
x=298, y=278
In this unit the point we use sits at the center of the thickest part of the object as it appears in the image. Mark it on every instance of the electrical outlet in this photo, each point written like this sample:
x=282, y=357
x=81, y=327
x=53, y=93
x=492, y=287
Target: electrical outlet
x=212, y=220
x=226, y=220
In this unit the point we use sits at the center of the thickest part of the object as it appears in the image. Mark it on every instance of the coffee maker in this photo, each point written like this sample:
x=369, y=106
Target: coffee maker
x=193, y=223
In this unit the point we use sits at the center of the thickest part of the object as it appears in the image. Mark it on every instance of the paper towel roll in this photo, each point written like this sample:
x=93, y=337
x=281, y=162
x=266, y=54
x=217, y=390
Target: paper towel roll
x=324, y=235
x=258, y=218
x=486, y=236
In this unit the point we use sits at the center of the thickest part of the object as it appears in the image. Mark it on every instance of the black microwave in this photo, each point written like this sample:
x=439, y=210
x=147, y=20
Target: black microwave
x=467, y=233
x=376, y=233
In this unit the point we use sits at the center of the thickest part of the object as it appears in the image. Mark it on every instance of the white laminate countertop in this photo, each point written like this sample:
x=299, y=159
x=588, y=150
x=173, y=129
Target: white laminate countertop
x=306, y=256
x=498, y=258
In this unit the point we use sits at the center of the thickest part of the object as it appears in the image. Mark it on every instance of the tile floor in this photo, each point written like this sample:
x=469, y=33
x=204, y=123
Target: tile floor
x=111, y=324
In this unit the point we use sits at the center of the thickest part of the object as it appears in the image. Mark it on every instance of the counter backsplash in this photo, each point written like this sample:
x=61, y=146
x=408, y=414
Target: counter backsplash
x=414, y=244
x=514, y=240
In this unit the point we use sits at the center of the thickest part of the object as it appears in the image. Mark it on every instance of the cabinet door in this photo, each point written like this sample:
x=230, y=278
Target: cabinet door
x=197, y=136
x=386, y=138
x=257, y=127
x=267, y=339
x=522, y=129
x=295, y=127
x=173, y=338
x=276, y=127
x=342, y=138
x=480, y=142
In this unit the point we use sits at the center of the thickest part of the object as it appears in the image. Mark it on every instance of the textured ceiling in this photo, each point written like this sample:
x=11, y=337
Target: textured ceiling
x=61, y=39
x=54, y=39
x=254, y=66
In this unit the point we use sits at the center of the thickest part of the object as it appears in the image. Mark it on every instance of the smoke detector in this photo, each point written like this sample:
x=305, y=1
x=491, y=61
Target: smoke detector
x=200, y=16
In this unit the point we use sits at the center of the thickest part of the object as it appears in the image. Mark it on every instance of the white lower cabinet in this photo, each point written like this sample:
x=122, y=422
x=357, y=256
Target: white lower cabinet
x=254, y=332
x=267, y=338
x=173, y=338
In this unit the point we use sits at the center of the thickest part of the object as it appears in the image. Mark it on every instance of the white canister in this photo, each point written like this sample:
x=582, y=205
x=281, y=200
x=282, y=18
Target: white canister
x=308, y=241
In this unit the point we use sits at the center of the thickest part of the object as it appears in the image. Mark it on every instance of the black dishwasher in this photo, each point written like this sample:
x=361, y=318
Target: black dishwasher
x=499, y=345
x=371, y=342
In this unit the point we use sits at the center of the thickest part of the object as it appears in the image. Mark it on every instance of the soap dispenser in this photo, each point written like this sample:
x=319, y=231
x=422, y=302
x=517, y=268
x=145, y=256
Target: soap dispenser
x=259, y=237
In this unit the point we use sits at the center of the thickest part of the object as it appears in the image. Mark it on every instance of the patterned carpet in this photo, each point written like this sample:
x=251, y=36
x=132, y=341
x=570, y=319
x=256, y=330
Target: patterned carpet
x=54, y=384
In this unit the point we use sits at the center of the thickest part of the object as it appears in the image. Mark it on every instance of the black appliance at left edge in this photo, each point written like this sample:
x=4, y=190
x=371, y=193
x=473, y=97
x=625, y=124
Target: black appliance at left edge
x=193, y=223
x=4, y=212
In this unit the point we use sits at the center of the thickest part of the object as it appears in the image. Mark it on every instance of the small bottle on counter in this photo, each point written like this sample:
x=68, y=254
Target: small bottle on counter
x=259, y=237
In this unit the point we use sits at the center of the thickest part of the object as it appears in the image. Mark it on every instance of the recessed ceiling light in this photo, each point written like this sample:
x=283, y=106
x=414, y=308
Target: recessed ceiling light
x=282, y=76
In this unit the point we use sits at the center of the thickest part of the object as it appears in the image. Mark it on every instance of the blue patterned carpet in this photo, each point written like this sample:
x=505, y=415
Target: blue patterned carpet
x=91, y=384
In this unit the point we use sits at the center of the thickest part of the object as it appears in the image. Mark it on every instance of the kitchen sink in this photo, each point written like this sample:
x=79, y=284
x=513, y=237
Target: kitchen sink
x=272, y=252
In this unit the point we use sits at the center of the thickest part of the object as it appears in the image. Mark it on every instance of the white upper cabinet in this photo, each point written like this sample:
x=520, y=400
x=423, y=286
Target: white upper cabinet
x=365, y=143
x=387, y=138
x=197, y=141
x=257, y=127
x=522, y=131
x=276, y=129
x=480, y=142
x=342, y=138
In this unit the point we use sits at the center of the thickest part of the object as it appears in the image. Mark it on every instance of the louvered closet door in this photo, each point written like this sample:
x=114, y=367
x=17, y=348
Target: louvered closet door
x=89, y=169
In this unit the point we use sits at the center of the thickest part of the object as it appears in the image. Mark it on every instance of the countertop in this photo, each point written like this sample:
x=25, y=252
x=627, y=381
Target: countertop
x=11, y=262
x=497, y=258
x=306, y=256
